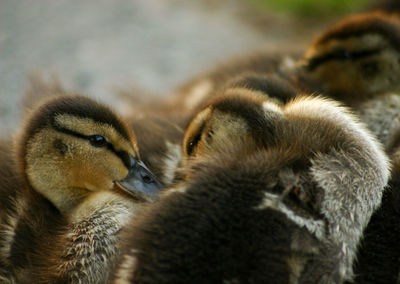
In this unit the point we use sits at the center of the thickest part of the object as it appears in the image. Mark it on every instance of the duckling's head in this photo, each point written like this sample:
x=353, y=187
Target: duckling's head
x=239, y=114
x=72, y=146
x=358, y=57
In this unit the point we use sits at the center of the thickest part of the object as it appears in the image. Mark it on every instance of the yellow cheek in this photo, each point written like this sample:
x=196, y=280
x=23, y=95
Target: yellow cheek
x=97, y=170
x=97, y=182
x=99, y=178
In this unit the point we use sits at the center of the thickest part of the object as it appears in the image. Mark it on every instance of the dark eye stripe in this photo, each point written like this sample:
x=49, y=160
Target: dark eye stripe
x=340, y=55
x=123, y=155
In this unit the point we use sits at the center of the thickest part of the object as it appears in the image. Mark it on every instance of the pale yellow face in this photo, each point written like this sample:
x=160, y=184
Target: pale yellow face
x=214, y=129
x=63, y=166
x=211, y=130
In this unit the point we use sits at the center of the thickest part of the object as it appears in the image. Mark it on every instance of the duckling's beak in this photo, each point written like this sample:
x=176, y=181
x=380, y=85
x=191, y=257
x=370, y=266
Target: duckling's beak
x=140, y=180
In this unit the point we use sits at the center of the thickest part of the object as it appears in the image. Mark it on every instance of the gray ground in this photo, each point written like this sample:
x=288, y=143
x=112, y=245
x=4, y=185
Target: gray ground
x=97, y=46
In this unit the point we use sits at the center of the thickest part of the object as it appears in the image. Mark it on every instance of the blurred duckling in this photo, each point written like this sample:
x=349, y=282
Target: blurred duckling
x=274, y=193
x=159, y=136
x=80, y=180
x=357, y=58
x=246, y=107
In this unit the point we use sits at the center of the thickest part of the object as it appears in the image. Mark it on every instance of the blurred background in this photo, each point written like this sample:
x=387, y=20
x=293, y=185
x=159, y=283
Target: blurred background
x=97, y=47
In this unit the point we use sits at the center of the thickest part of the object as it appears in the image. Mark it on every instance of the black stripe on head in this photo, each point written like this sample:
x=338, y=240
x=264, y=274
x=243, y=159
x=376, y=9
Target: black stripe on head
x=87, y=108
x=359, y=25
x=123, y=155
x=77, y=106
x=261, y=127
x=340, y=55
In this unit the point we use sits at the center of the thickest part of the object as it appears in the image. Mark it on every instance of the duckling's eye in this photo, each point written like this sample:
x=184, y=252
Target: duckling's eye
x=192, y=144
x=343, y=54
x=97, y=140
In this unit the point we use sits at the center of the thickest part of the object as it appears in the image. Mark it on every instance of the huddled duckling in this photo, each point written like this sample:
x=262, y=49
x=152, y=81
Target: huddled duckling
x=239, y=110
x=159, y=122
x=160, y=136
x=79, y=180
x=273, y=193
x=357, y=58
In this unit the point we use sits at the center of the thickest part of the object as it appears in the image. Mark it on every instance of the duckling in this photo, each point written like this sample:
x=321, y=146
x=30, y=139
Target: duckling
x=76, y=161
x=159, y=133
x=159, y=122
x=357, y=58
x=274, y=193
x=241, y=109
